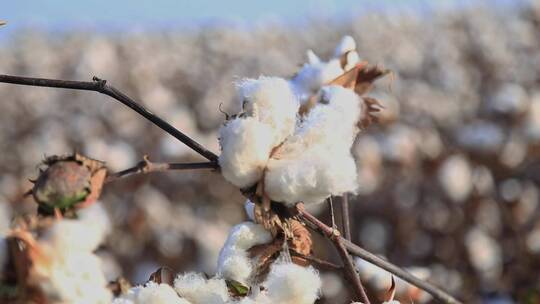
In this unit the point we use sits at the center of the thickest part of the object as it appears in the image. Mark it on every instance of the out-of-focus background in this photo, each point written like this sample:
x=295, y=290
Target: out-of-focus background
x=449, y=179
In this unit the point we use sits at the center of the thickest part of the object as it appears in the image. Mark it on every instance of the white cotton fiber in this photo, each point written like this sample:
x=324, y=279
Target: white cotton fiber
x=234, y=262
x=151, y=293
x=292, y=284
x=272, y=101
x=84, y=234
x=68, y=270
x=249, y=207
x=195, y=288
x=316, y=161
x=246, y=144
x=316, y=73
x=313, y=76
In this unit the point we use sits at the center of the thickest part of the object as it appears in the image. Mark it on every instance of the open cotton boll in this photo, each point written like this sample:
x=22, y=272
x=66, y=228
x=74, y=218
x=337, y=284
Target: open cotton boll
x=289, y=283
x=233, y=261
x=85, y=233
x=196, y=289
x=73, y=278
x=271, y=100
x=312, y=178
x=246, y=144
x=151, y=293
x=316, y=161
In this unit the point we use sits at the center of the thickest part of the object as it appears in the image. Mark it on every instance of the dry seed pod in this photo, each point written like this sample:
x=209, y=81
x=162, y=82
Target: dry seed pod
x=68, y=182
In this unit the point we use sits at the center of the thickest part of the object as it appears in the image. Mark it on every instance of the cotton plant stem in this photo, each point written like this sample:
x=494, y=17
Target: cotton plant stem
x=345, y=216
x=101, y=86
x=334, y=235
x=146, y=166
x=439, y=294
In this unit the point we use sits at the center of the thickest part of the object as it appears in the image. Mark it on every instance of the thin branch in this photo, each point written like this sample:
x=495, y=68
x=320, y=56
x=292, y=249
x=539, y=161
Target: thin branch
x=101, y=86
x=146, y=166
x=319, y=262
x=345, y=216
x=435, y=291
x=334, y=235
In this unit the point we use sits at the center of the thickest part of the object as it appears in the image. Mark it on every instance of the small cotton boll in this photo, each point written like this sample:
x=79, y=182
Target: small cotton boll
x=233, y=261
x=198, y=290
x=272, y=101
x=292, y=284
x=346, y=44
x=234, y=264
x=246, y=144
x=249, y=207
x=151, y=293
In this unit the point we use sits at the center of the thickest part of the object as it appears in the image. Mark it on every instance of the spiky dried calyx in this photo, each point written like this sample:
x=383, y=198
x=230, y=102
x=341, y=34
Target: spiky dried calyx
x=67, y=182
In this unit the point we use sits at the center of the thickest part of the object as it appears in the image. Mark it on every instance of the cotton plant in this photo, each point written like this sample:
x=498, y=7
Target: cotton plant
x=64, y=267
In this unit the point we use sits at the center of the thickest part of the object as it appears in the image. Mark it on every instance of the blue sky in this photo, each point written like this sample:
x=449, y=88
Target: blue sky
x=147, y=14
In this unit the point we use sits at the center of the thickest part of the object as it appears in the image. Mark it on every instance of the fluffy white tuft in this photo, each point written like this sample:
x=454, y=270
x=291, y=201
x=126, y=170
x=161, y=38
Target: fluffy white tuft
x=195, y=288
x=151, y=293
x=246, y=144
x=316, y=161
x=292, y=284
x=272, y=101
x=68, y=265
x=233, y=261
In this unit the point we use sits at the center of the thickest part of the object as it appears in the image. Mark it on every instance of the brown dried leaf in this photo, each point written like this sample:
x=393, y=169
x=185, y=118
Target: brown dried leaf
x=366, y=77
x=265, y=255
x=349, y=79
x=301, y=241
x=164, y=275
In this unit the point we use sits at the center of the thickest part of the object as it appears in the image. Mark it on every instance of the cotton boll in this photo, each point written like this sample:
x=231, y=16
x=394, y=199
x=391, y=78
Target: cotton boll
x=272, y=101
x=246, y=144
x=151, y=293
x=312, y=178
x=316, y=161
x=198, y=290
x=68, y=278
x=292, y=284
x=233, y=261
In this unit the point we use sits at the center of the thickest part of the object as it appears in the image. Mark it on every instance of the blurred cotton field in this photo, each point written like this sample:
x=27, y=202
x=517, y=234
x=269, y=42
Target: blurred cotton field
x=448, y=179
